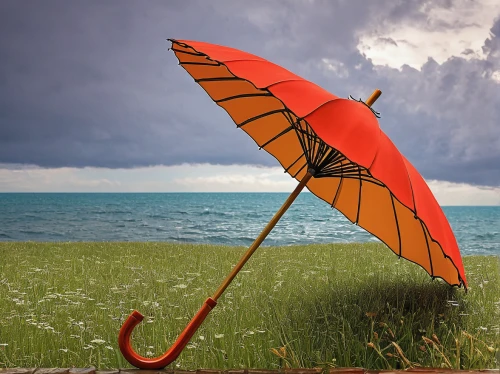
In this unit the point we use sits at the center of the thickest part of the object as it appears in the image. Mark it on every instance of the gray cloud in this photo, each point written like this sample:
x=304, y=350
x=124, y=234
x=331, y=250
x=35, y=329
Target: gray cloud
x=92, y=83
x=389, y=41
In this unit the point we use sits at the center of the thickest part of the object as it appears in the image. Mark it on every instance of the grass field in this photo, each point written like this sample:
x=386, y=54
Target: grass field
x=62, y=304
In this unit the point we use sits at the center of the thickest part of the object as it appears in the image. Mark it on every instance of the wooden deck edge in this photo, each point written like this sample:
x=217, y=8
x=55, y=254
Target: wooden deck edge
x=240, y=371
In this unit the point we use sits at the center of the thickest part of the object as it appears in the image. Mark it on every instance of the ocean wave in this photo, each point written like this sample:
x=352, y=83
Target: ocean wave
x=248, y=239
x=207, y=212
x=160, y=216
x=32, y=232
x=487, y=235
x=181, y=212
x=183, y=239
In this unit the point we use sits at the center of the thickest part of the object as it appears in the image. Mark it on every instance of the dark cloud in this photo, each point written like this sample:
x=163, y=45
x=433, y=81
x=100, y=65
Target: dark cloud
x=92, y=83
x=403, y=41
x=388, y=41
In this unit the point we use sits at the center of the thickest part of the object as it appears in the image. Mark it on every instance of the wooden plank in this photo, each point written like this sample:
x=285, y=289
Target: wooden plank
x=82, y=371
x=18, y=371
x=52, y=371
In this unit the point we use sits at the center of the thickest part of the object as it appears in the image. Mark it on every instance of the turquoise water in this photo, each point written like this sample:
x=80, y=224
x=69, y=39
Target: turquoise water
x=217, y=218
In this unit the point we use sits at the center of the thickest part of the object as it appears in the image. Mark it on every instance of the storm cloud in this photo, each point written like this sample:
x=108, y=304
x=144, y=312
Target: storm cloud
x=93, y=83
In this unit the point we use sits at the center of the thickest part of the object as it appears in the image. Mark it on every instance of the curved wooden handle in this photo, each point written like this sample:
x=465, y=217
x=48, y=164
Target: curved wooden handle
x=159, y=362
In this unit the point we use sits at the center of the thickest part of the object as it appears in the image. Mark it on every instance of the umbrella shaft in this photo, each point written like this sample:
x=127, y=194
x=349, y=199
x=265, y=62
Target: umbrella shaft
x=262, y=236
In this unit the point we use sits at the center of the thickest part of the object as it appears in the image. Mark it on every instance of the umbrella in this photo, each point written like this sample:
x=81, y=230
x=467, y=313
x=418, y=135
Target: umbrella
x=332, y=146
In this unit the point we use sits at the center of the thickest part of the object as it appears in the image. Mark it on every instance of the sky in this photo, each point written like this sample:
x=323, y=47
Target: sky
x=91, y=100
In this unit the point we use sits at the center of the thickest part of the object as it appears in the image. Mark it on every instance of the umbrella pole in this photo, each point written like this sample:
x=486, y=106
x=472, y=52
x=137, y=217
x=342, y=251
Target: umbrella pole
x=258, y=241
x=135, y=317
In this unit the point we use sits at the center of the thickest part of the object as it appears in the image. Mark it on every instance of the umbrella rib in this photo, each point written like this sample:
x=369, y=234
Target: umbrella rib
x=321, y=151
x=288, y=116
x=428, y=247
x=315, y=145
x=331, y=168
x=353, y=176
x=300, y=137
x=332, y=162
x=276, y=137
x=329, y=159
x=305, y=143
x=351, y=170
x=328, y=154
x=189, y=53
x=412, y=193
x=397, y=223
x=293, y=163
x=242, y=96
x=359, y=197
x=218, y=79
x=338, y=159
x=325, y=160
x=348, y=169
x=312, y=145
x=298, y=171
x=334, y=202
x=214, y=63
x=271, y=112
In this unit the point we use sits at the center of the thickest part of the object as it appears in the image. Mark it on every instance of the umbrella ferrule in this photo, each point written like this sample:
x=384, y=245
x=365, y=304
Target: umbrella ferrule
x=375, y=113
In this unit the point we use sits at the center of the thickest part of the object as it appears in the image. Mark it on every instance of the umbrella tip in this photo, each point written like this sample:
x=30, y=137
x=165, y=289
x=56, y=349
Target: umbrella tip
x=373, y=97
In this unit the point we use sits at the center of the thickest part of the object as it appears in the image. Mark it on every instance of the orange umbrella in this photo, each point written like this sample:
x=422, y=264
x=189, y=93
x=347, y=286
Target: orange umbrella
x=332, y=146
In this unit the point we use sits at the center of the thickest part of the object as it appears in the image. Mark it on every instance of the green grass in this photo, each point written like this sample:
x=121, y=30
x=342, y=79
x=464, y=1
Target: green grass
x=62, y=304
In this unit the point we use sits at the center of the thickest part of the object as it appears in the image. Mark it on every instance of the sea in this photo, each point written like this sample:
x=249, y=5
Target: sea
x=233, y=219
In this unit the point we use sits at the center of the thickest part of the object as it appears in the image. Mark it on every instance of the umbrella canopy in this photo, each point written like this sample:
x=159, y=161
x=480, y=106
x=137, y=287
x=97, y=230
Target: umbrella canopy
x=357, y=168
x=332, y=146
